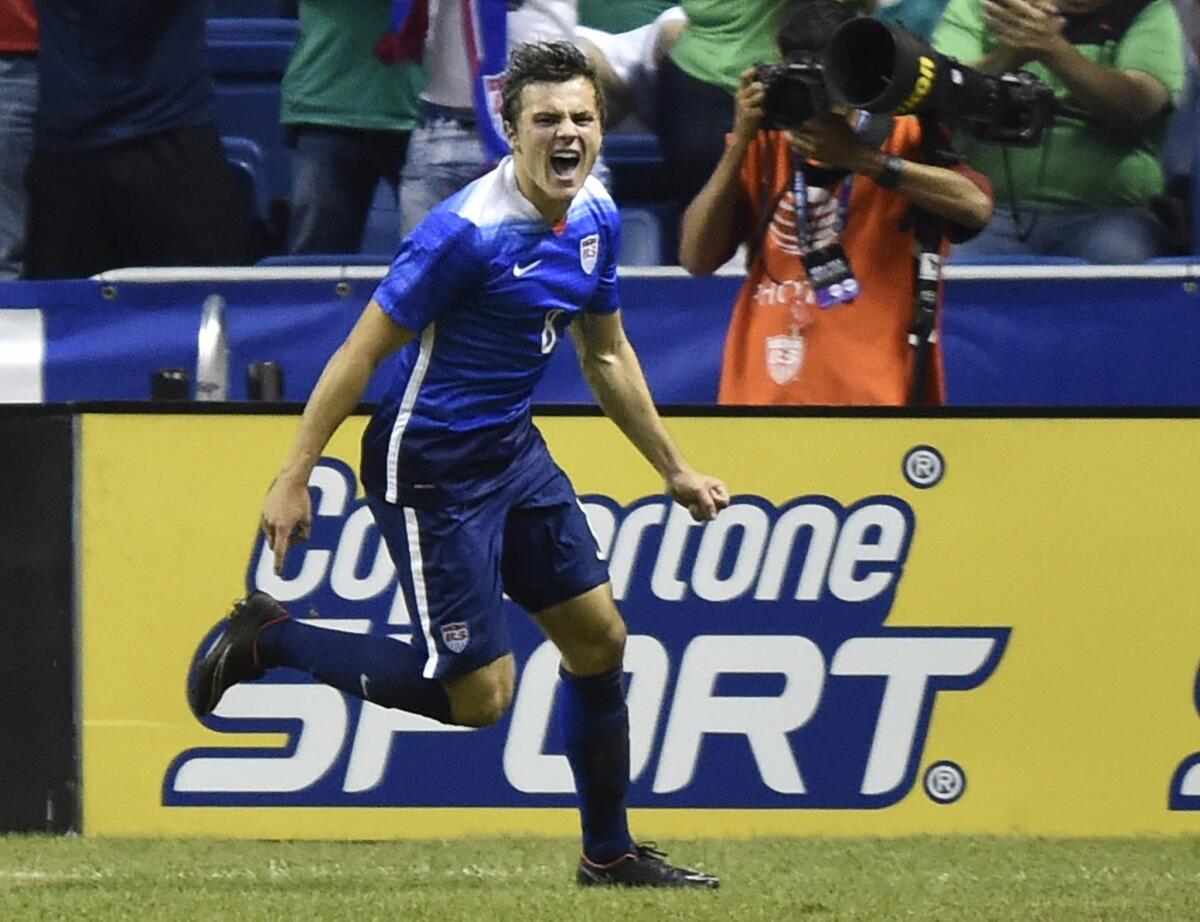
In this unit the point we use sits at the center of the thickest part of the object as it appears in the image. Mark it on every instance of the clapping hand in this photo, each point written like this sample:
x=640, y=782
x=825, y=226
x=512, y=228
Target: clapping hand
x=1031, y=29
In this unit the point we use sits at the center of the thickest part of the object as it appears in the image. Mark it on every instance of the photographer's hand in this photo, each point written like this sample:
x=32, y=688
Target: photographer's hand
x=748, y=107
x=828, y=139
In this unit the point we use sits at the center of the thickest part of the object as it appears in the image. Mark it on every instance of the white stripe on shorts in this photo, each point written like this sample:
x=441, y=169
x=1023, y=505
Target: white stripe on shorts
x=417, y=568
x=404, y=413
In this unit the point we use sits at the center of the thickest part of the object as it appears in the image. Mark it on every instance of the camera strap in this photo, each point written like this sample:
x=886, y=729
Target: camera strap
x=922, y=335
x=828, y=267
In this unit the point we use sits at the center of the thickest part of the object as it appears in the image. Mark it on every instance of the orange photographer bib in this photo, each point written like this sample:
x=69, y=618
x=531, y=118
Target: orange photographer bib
x=782, y=348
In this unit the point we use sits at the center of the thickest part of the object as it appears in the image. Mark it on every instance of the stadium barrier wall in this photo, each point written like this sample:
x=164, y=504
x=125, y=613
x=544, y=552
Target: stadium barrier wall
x=903, y=625
x=1048, y=335
x=38, y=772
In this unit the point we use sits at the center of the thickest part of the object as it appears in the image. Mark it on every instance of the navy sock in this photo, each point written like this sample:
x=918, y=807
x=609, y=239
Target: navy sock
x=377, y=669
x=594, y=724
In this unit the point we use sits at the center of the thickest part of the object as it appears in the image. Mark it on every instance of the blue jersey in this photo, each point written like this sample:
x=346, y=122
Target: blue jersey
x=488, y=286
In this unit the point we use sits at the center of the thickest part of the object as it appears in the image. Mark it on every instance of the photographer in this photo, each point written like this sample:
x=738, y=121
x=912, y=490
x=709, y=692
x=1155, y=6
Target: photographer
x=828, y=211
x=1116, y=67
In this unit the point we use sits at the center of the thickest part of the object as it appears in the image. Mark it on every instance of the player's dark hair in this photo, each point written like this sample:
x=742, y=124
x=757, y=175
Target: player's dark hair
x=811, y=25
x=545, y=62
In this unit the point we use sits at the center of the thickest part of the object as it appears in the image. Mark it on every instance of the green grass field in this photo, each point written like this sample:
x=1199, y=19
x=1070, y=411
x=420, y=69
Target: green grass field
x=527, y=880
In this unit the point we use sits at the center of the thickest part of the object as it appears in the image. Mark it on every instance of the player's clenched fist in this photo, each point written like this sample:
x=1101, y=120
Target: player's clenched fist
x=701, y=495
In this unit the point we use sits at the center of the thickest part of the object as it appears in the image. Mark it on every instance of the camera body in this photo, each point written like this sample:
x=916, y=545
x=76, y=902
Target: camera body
x=1022, y=106
x=795, y=92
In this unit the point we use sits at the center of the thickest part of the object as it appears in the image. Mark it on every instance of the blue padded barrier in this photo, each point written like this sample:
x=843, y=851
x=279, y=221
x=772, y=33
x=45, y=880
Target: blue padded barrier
x=1037, y=335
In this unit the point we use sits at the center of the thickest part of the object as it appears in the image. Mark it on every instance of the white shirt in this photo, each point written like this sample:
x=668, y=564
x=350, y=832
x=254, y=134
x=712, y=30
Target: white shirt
x=448, y=72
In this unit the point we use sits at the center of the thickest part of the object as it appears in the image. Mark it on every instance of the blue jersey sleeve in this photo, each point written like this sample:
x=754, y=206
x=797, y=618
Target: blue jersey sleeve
x=606, y=299
x=435, y=267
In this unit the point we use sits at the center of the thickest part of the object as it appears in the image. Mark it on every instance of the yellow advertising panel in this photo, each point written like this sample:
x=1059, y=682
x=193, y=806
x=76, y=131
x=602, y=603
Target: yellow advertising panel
x=900, y=626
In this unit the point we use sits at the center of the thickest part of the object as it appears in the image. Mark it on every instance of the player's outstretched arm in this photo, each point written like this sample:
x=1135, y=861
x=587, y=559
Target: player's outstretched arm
x=615, y=376
x=287, y=511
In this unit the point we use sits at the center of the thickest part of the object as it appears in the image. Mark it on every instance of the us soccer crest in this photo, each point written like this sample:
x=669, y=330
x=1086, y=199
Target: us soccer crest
x=785, y=356
x=589, y=252
x=456, y=636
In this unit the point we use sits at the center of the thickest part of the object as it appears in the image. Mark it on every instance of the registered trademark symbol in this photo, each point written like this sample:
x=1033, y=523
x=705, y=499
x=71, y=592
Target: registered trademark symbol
x=944, y=782
x=924, y=466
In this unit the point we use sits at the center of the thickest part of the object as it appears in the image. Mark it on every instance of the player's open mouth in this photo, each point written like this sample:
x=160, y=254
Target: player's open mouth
x=564, y=163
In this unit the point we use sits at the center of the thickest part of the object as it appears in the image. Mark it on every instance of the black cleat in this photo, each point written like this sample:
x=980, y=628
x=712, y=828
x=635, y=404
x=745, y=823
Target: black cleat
x=643, y=867
x=232, y=656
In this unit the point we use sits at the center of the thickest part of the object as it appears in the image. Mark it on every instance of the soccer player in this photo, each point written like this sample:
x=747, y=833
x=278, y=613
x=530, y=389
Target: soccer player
x=459, y=480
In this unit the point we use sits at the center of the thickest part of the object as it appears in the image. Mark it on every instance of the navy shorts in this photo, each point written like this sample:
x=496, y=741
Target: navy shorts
x=530, y=539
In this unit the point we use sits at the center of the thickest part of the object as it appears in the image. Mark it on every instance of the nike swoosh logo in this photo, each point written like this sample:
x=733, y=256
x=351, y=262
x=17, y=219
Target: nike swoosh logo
x=364, y=680
x=519, y=270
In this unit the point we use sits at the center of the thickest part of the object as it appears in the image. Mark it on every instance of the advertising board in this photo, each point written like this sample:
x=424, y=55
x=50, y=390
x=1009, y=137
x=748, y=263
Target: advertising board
x=900, y=626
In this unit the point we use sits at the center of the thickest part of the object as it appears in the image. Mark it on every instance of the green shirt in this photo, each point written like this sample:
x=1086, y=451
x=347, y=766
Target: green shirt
x=724, y=37
x=1079, y=161
x=333, y=78
x=620, y=15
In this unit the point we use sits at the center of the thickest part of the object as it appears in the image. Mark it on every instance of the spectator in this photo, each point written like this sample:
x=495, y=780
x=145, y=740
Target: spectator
x=18, y=99
x=627, y=62
x=127, y=166
x=698, y=79
x=827, y=211
x=452, y=147
x=349, y=117
x=1116, y=67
